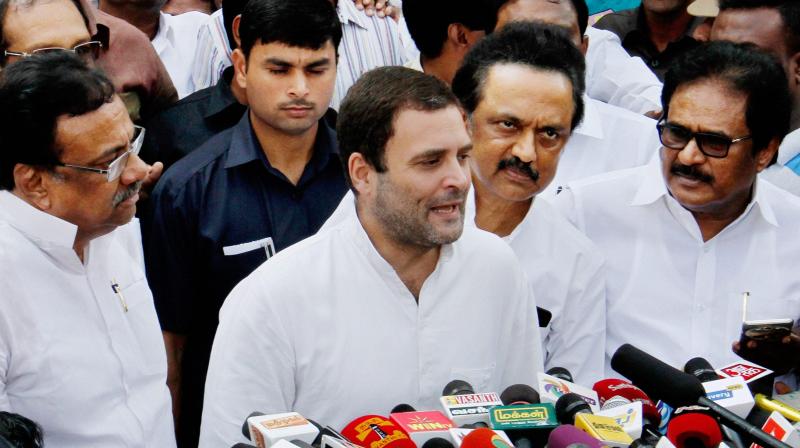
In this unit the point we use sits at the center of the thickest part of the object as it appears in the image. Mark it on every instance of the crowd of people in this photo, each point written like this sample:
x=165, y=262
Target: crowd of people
x=336, y=206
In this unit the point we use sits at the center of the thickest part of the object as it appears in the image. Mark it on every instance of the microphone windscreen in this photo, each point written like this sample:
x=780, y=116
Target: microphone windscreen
x=570, y=404
x=566, y=435
x=438, y=442
x=519, y=394
x=614, y=387
x=246, y=426
x=484, y=438
x=657, y=379
x=402, y=407
x=694, y=429
x=560, y=373
x=238, y=445
x=457, y=387
x=701, y=369
x=372, y=431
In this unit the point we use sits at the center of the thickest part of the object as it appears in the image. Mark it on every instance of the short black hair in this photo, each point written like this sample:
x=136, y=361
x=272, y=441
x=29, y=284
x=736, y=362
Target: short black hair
x=4, y=4
x=36, y=91
x=19, y=431
x=428, y=21
x=367, y=113
x=579, y=6
x=297, y=23
x=745, y=69
x=230, y=9
x=532, y=44
x=788, y=9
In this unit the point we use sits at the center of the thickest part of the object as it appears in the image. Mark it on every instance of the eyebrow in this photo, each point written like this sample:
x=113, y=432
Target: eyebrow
x=703, y=131
x=108, y=153
x=287, y=64
x=438, y=152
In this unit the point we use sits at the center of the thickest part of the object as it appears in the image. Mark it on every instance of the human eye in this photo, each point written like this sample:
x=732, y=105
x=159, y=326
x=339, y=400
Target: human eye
x=551, y=133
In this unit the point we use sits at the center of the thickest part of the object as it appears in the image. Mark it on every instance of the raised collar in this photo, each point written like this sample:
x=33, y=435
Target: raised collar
x=221, y=99
x=348, y=13
x=46, y=230
x=165, y=37
x=592, y=123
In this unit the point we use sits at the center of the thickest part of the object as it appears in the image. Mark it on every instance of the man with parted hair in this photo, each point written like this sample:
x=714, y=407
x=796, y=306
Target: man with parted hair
x=522, y=88
x=393, y=302
x=686, y=236
x=80, y=347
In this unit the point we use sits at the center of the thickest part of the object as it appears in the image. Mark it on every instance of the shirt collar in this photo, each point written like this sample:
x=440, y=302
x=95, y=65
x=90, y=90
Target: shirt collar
x=245, y=148
x=790, y=147
x=592, y=123
x=653, y=187
x=43, y=228
x=165, y=37
x=349, y=13
x=221, y=98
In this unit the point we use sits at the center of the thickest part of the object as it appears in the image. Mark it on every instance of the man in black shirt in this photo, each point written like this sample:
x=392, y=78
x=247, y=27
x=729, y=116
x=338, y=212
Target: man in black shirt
x=248, y=192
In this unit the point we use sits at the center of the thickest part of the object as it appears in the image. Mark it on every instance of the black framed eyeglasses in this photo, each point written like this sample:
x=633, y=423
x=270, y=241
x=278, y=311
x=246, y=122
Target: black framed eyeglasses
x=117, y=165
x=674, y=136
x=88, y=51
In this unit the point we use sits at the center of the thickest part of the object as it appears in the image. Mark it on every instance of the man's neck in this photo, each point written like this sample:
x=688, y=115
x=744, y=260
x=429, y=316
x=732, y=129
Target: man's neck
x=287, y=153
x=442, y=67
x=413, y=264
x=496, y=215
x=666, y=28
x=712, y=223
x=144, y=19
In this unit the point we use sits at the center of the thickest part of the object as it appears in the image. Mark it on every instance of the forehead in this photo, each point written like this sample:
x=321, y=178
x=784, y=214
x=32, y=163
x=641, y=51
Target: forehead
x=418, y=131
x=709, y=105
x=296, y=56
x=527, y=93
x=738, y=25
x=44, y=23
x=85, y=137
x=555, y=12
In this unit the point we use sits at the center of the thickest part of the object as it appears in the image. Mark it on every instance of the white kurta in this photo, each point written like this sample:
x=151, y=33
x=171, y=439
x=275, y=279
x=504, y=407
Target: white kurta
x=328, y=329
x=566, y=273
x=670, y=293
x=176, y=43
x=71, y=358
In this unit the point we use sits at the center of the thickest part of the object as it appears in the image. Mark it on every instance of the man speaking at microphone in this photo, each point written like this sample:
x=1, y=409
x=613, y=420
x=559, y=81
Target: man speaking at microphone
x=391, y=303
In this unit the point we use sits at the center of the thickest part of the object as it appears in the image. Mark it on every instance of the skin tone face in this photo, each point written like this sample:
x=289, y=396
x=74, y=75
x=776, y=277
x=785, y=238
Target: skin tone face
x=554, y=12
x=736, y=25
x=288, y=88
x=713, y=189
x=519, y=129
x=84, y=198
x=664, y=7
x=47, y=23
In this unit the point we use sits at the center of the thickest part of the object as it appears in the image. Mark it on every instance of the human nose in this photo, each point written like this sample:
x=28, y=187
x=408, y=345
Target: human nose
x=135, y=170
x=299, y=86
x=525, y=147
x=457, y=175
x=691, y=153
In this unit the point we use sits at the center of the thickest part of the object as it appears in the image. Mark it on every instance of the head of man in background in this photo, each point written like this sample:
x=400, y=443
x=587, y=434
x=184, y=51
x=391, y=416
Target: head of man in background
x=570, y=14
x=444, y=31
x=70, y=147
x=726, y=109
x=523, y=91
x=771, y=25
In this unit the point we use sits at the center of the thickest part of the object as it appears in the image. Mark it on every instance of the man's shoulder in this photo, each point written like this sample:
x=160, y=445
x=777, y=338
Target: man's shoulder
x=619, y=22
x=190, y=20
x=785, y=204
x=479, y=247
x=621, y=114
x=613, y=187
x=203, y=161
x=549, y=222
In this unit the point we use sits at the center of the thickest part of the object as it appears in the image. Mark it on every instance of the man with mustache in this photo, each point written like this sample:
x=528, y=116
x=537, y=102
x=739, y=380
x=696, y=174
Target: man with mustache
x=80, y=347
x=251, y=191
x=522, y=88
x=393, y=302
x=688, y=235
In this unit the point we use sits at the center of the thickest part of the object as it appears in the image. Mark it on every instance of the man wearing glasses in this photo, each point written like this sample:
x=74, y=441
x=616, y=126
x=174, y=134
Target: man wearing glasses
x=80, y=346
x=687, y=235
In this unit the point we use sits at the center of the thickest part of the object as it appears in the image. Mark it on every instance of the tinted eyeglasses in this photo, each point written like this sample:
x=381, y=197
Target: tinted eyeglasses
x=88, y=51
x=117, y=165
x=713, y=145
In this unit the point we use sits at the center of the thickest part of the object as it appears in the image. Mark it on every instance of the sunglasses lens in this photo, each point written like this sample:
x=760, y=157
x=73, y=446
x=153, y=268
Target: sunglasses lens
x=713, y=145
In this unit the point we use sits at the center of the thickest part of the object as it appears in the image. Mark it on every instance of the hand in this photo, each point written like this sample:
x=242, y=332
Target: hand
x=654, y=114
x=380, y=7
x=150, y=181
x=780, y=356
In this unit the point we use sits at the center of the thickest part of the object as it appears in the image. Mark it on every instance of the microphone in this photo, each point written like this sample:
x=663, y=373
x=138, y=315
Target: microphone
x=568, y=436
x=776, y=406
x=759, y=379
x=465, y=407
x=678, y=389
x=526, y=421
x=627, y=415
x=330, y=441
x=421, y=426
x=701, y=369
x=560, y=373
x=438, y=442
x=779, y=427
x=484, y=438
x=688, y=429
x=572, y=407
x=609, y=388
x=402, y=407
x=551, y=388
x=267, y=430
x=519, y=394
x=238, y=445
x=375, y=431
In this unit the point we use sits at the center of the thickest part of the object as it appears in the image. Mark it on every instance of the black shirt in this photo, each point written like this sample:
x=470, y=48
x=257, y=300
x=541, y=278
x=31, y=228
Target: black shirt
x=219, y=213
x=631, y=27
x=187, y=124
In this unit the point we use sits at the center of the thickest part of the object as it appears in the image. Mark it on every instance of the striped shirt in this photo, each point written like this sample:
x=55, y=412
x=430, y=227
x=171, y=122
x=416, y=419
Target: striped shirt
x=213, y=54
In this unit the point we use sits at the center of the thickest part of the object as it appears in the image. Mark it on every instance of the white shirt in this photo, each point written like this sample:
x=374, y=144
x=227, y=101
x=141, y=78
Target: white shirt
x=565, y=271
x=327, y=328
x=609, y=138
x=213, y=53
x=71, y=358
x=780, y=175
x=615, y=77
x=668, y=292
x=175, y=43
